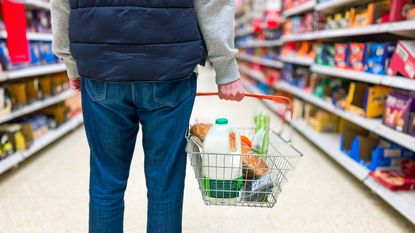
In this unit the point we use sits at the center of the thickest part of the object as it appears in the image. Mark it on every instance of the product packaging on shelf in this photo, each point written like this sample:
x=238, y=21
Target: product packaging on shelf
x=357, y=56
x=320, y=120
x=398, y=111
x=378, y=56
x=403, y=60
x=341, y=55
x=366, y=100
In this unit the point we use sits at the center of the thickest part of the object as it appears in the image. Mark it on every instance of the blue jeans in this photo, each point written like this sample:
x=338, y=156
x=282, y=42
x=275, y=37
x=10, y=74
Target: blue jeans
x=112, y=113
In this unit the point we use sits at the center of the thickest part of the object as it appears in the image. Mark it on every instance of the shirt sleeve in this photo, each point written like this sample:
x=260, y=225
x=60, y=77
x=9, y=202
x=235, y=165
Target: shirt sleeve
x=60, y=16
x=217, y=21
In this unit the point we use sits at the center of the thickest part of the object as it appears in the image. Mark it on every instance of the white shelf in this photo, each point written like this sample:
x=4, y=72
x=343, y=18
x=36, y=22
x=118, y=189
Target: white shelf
x=391, y=81
x=32, y=71
x=404, y=28
x=330, y=144
x=38, y=3
x=333, y=5
x=244, y=32
x=40, y=143
x=37, y=106
x=259, y=43
x=348, y=74
x=32, y=36
x=257, y=75
x=374, y=125
x=306, y=61
x=402, y=201
x=300, y=37
x=399, y=82
x=302, y=8
x=265, y=62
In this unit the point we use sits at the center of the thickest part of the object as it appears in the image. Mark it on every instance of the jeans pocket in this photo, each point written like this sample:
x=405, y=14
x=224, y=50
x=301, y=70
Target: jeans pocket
x=172, y=93
x=96, y=89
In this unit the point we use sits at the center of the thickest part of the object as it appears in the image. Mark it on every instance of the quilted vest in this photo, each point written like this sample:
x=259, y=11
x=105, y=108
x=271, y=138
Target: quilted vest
x=135, y=40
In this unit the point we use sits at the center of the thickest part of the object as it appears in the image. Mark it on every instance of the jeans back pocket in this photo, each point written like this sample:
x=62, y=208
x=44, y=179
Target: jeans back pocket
x=96, y=89
x=172, y=93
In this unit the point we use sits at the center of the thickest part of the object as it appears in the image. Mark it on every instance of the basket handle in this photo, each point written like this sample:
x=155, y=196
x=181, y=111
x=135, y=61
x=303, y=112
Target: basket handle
x=276, y=98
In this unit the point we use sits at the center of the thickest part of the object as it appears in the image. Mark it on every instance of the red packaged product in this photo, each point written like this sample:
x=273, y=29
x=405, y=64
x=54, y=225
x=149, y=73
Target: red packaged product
x=341, y=50
x=393, y=180
x=408, y=168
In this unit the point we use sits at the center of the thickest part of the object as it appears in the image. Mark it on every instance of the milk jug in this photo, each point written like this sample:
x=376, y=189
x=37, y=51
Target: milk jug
x=221, y=167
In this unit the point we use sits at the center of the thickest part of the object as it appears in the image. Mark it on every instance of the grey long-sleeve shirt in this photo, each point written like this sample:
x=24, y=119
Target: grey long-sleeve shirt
x=216, y=21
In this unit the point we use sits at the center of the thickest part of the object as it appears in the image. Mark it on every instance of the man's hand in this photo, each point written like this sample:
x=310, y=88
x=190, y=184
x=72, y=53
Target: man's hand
x=75, y=84
x=232, y=91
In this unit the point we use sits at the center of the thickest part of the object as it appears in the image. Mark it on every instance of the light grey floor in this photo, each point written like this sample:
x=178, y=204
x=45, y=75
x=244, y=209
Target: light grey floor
x=48, y=193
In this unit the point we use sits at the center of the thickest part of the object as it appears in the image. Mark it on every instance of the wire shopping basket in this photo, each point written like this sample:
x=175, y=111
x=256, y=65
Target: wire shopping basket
x=259, y=177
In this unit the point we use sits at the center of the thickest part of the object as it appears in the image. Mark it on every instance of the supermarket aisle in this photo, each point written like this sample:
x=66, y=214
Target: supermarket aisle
x=49, y=192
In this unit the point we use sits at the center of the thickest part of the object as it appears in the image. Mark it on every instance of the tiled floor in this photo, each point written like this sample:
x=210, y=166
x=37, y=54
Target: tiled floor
x=48, y=193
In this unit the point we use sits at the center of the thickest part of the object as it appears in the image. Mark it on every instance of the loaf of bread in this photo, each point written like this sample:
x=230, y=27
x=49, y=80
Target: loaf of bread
x=200, y=130
x=254, y=166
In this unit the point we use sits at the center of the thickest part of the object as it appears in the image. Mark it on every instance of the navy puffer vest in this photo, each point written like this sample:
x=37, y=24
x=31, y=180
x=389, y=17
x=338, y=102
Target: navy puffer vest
x=135, y=40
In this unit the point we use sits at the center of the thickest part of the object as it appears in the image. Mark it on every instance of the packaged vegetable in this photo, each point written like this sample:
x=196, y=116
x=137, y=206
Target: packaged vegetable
x=261, y=138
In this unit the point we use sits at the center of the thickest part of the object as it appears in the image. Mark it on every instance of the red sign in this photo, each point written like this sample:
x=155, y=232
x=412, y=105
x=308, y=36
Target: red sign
x=15, y=21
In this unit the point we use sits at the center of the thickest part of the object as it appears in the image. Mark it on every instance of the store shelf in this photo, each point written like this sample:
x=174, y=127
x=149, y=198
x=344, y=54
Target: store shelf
x=333, y=5
x=302, y=8
x=37, y=106
x=261, y=43
x=305, y=61
x=402, y=201
x=252, y=73
x=330, y=144
x=406, y=28
x=348, y=74
x=264, y=62
x=374, y=125
x=244, y=32
x=391, y=81
x=40, y=143
x=32, y=71
x=38, y=3
x=300, y=37
x=32, y=36
x=399, y=82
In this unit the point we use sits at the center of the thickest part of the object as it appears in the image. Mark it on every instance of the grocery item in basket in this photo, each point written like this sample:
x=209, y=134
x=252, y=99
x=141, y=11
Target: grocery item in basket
x=253, y=166
x=258, y=190
x=200, y=130
x=261, y=139
x=221, y=167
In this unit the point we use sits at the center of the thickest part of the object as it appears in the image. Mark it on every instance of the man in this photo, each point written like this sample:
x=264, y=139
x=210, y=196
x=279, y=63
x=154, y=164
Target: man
x=133, y=62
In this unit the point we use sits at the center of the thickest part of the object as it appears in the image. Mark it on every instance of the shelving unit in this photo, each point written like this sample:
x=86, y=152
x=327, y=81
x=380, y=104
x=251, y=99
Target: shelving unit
x=403, y=202
x=40, y=143
x=308, y=6
x=37, y=106
x=374, y=125
x=52, y=134
x=264, y=62
x=305, y=61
